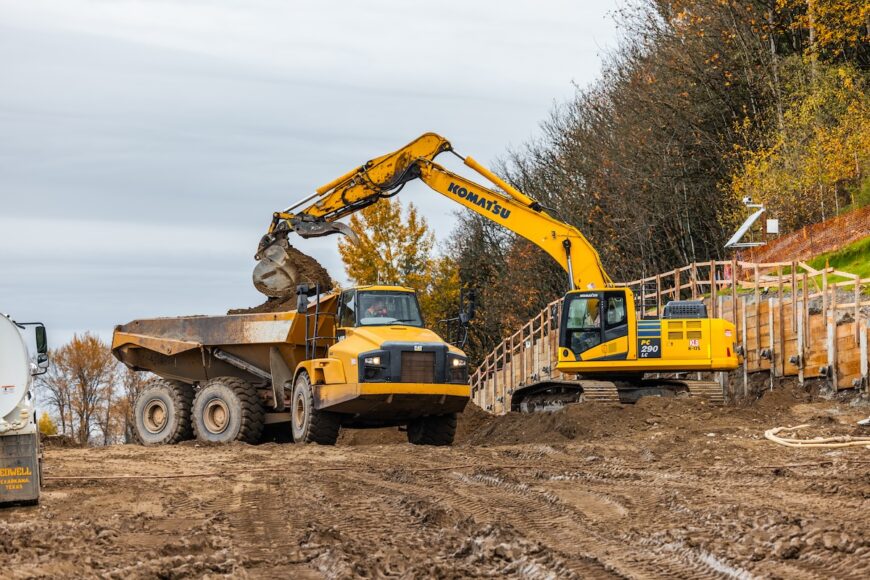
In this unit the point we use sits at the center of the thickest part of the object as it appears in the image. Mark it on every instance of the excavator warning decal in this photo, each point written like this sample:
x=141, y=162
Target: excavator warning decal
x=649, y=339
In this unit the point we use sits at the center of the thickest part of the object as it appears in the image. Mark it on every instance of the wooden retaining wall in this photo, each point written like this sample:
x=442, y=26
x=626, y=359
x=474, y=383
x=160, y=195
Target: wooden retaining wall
x=791, y=319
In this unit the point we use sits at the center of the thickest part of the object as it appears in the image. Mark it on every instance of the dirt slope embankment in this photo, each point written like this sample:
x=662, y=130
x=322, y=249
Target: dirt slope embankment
x=814, y=239
x=666, y=488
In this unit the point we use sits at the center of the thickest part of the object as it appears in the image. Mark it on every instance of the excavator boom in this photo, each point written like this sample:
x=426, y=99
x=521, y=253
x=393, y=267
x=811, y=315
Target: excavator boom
x=384, y=176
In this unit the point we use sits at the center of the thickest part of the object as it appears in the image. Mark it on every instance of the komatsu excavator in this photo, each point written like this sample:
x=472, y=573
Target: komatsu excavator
x=601, y=336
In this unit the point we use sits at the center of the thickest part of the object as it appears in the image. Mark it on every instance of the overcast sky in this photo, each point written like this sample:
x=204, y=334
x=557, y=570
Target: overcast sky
x=144, y=145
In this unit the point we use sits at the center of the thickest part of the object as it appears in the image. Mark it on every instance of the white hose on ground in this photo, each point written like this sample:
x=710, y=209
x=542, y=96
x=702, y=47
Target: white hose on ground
x=826, y=442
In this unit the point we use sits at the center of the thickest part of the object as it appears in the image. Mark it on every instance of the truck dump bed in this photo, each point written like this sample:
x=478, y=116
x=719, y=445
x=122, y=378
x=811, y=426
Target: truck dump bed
x=197, y=348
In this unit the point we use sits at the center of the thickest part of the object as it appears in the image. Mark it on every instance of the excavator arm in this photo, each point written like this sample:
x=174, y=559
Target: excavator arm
x=385, y=176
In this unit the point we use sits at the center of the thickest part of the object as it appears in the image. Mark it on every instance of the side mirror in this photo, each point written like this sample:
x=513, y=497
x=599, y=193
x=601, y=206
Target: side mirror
x=467, y=306
x=41, y=342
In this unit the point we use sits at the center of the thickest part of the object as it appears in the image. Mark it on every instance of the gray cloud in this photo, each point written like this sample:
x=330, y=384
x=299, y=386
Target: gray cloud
x=144, y=145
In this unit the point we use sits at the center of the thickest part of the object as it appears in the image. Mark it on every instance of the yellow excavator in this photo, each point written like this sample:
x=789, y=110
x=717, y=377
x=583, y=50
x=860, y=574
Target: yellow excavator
x=601, y=335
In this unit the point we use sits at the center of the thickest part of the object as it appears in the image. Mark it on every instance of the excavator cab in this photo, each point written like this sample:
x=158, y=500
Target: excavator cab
x=595, y=325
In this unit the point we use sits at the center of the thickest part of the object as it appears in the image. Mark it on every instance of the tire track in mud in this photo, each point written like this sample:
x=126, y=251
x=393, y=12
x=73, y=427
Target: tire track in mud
x=469, y=530
x=698, y=505
x=565, y=524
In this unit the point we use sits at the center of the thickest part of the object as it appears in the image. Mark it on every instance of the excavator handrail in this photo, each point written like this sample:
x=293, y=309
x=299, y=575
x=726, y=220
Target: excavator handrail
x=385, y=176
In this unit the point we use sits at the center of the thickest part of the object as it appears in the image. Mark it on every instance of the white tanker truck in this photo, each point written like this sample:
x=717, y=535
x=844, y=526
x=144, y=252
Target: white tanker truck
x=19, y=435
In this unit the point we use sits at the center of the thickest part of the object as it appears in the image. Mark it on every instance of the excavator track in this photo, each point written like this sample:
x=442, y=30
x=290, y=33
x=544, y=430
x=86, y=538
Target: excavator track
x=600, y=392
x=553, y=395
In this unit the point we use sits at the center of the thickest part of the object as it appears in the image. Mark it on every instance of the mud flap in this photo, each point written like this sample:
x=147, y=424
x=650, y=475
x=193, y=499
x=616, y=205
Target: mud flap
x=281, y=375
x=19, y=468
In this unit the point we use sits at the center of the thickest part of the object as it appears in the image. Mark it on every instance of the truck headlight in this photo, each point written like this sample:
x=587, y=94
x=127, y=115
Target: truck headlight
x=374, y=366
x=457, y=369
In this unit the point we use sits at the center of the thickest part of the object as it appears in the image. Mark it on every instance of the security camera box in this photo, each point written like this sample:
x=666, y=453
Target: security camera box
x=19, y=469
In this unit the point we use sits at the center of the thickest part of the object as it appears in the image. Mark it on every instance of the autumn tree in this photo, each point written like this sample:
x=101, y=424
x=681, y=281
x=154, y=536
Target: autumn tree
x=80, y=385
x=396, y=247
x=702, y=101
x=392, y=248
x=47, y=426
x=132, y=383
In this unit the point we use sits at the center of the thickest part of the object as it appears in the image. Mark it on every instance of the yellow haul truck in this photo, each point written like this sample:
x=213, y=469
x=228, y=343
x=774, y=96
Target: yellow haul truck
x=357, y=358
x=603, y=336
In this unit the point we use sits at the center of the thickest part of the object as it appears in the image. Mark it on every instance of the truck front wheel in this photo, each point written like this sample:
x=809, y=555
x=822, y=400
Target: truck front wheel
x=309, y=424
x=434, y=430
x=227, y=409
x=161, y=412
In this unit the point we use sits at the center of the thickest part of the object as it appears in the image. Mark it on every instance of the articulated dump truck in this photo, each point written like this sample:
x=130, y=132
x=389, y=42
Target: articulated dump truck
x=360, y=358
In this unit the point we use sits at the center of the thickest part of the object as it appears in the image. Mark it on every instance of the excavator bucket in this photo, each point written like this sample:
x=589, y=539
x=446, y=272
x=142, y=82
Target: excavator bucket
x=282, y=267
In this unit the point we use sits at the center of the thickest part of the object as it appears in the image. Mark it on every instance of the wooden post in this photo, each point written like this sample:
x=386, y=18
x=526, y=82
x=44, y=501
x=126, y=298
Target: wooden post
x=713, y=288
x=734, y=290
x=794, y=291
x=800, y=343
x=658, y=296
x=508, y=392
x=857, y=315
x=771, y=341
x=806, y=309
x=825, y=290
x=832, y=350
x=745, y=351
x=834, y=366
x=548, y=354
x=694, y=281
x=865, y=364
x=524, y=351
x=781, y=302
x=757, y=313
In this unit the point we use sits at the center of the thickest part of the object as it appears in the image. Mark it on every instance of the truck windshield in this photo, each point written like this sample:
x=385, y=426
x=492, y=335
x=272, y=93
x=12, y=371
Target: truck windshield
x=377, y=308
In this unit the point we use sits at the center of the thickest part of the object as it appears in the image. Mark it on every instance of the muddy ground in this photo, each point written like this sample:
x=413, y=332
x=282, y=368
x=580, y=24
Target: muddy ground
x=664, y=488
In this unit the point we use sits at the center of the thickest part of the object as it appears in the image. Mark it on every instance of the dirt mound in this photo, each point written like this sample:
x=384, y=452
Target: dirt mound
x=385, y=436
x=309, y=271
x=472, y=420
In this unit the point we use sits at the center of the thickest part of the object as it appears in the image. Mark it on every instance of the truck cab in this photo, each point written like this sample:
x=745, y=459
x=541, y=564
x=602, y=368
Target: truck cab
x=385, y=367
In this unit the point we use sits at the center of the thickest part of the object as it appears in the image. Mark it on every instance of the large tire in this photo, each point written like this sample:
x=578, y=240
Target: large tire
x=434, y=430
x=309, y=424
x=227, y=409
x=162, y=413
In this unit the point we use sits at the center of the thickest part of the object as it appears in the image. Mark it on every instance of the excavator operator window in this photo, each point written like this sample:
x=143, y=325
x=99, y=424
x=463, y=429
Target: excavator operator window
x=583, y=324
x=593, y=318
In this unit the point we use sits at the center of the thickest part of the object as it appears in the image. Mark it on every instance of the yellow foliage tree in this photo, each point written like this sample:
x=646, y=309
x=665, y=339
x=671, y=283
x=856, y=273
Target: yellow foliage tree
x=46, y=425
x=397, y=249
x=813, y=165
x=833, y=25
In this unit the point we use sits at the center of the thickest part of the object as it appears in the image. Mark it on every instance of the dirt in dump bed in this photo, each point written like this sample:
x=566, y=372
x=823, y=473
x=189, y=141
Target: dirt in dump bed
x=310, y=271
x=667, y=488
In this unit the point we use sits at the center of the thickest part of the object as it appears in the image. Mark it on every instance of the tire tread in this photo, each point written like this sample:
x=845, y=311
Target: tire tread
x=253, y=415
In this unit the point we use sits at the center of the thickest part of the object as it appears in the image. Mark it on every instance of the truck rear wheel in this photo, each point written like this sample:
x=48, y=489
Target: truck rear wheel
x=161, y=412
x=434, y=430
x=227, y=409
x=309, y=424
